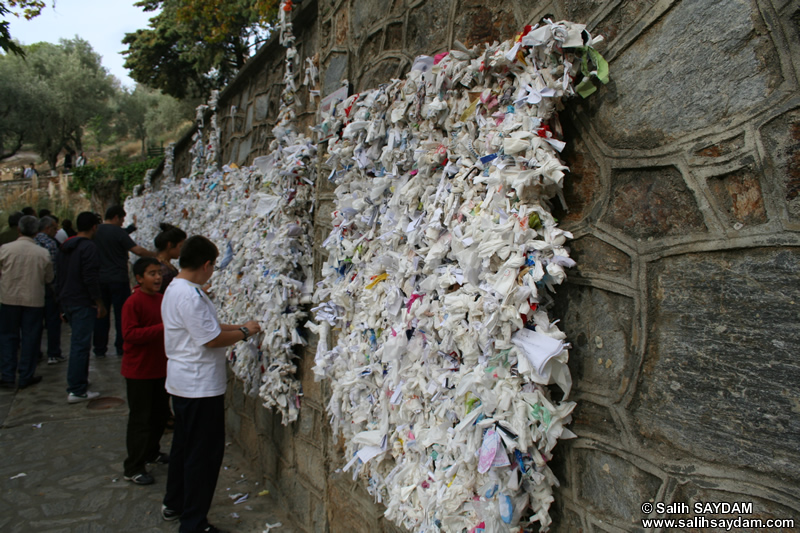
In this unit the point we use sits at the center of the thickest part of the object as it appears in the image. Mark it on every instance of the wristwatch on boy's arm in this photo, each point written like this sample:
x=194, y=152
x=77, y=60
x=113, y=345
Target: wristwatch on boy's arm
x=246, y=332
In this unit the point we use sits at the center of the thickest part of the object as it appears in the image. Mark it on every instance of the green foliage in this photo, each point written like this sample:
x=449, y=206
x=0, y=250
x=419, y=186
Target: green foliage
x=129, y=174
x=133, y=108
x=193, y=46
x=19, y=94
x=167, y=115
x=48, y=97
x=87, y=177
x=100, y=130
x=58, y=93
x=16, y=8
x=133, y=173
x=148, y=114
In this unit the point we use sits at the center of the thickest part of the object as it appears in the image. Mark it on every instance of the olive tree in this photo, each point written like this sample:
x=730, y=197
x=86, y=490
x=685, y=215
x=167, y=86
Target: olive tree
x=50, y=95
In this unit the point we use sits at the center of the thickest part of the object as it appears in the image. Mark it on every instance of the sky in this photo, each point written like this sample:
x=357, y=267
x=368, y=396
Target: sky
x=101, y=22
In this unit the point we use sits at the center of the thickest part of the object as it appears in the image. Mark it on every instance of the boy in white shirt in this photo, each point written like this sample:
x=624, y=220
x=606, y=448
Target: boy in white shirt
x=195, y=344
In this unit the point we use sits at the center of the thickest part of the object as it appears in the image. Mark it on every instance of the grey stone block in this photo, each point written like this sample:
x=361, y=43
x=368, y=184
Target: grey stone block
x=617, y=20
x=262, y=107
x=350, y=507
x=739, y=196
x=394, y=36
x=311, y=464
x=335, y=71
x=379, y=73
x=599, y=324
x=612, y=486
x=366, y=14
x=690, y=493
x=595, y=257
x=248, y=126
x=592, y=420
x=298, y=499
x=480, y=22
x=371, y=46
x=675, y=81
x=781, y=137
x=306, y=423
x=720, y=373
x=427, y=27
x=234, y=154
x=244, y=150
x=245, y=98
x=583, y=184
x=565, y=520
x=652, y=202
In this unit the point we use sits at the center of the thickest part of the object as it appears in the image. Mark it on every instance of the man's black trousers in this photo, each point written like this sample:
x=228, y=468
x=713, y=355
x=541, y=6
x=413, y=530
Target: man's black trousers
x=198, y=445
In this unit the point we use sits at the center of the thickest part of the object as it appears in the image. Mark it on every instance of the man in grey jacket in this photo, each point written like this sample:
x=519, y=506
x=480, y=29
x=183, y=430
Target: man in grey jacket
x=25, y=269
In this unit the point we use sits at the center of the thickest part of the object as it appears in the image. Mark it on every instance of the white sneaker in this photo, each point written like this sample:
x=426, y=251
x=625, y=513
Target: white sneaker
x=75, y=398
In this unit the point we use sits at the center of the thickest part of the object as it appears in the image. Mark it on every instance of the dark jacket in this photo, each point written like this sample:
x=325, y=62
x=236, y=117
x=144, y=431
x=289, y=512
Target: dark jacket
x=78, y=273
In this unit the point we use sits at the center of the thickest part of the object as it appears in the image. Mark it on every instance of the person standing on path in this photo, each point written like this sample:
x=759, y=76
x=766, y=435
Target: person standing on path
x=144, y=366
x=195, y=344
x=78, y=289
x=11, y=234
x=25, y=269
x=168, y=244
x=65, y=232
x=30, y=172
x=48, y=226
x=113, y=244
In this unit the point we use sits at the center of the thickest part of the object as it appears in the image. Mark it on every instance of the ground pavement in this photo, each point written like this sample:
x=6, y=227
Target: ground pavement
x=61, y=465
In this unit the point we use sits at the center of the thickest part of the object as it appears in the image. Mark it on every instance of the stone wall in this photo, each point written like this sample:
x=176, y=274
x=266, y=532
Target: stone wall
x=684, y=308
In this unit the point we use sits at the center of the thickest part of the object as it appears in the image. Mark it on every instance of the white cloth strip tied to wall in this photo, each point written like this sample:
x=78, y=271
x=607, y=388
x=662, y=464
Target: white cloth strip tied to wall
x=432, y=311
x=260, y=218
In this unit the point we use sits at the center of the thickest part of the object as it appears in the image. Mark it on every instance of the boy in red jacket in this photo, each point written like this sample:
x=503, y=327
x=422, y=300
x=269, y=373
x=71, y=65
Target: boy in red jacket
x=144, y=365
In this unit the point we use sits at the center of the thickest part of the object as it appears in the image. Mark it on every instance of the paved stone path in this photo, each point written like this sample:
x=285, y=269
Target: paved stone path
x=61, y=465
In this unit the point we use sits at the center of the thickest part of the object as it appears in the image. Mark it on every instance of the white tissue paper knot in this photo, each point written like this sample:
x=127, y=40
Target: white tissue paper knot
x=260, y=219
x=432, y=306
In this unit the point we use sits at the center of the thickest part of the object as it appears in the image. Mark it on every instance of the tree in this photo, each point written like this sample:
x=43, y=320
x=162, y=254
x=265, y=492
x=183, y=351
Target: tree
x=51, y=95
x=100, y=129
x=167, y=115
x=146, y=113
x=132, y=117
x=193, y=46
x=25, y=8
x=18, y=96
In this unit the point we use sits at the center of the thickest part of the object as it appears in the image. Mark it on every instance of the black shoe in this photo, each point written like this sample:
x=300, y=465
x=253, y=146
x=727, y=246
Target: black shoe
x=160, y=459
x=8, y=385
x=168, y=514
x=141, y=479
x=34, y=380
